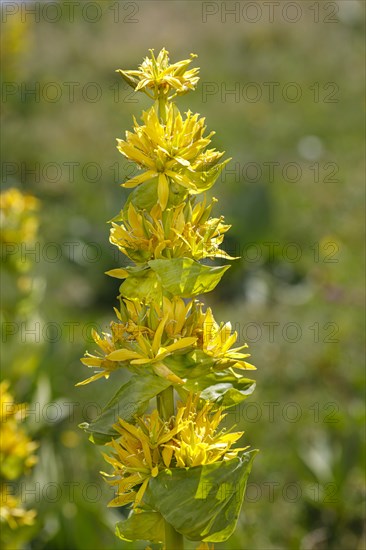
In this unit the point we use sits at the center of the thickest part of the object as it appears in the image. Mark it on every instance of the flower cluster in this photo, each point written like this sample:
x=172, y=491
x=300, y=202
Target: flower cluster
x=190, y=438
x=146, y=334
x=183, y=231
x=173, y=153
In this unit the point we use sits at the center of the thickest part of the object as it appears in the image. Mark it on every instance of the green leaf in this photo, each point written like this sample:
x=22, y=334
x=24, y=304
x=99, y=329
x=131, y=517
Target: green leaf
x=186, y=277
x=142, y=285
x=193, y=364
x=204, y=502
x=206, y=179
x=142, y=526
x=226, y=389
x=145, y=196
x=130, y=400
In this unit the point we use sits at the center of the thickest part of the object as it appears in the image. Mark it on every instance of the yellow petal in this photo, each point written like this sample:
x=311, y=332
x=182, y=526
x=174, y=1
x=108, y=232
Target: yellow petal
x=123, y=355
x=137, y=180
x=182, y=343
x=158, y=334
x=119, y=273
x=163, y=191
x=93, y=378
x=121, y=500
x=167, y=454
x=164, y=372
x=141, y=492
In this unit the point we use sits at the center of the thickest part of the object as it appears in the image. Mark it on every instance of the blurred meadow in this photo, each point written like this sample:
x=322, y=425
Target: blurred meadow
x=282, y=86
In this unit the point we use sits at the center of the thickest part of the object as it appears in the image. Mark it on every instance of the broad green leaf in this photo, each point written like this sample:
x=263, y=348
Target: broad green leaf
x=143, y=285
x=204, y=502
x=142, y=526
x=206, y=180
x=226, y=389
x=130, y=400
x=186, y=277
x=144, y=196
x=194, y=364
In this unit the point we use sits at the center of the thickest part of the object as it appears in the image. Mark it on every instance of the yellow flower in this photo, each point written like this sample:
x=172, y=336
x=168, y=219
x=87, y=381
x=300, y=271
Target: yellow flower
x=138, y=456
x=191, y=438
x=145, y=336
x=11, y=511
x=107, y=345
x=153, y=351
x=198, y=440
x=183, y=231
x=172, y=153
x=156, y=76
x=216, y=341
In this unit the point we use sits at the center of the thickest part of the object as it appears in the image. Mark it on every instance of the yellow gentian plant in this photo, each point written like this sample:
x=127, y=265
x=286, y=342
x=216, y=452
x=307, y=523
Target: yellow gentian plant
x=178, y=471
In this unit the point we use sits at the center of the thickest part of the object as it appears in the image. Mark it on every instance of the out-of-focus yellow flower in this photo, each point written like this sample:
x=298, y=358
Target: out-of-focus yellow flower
x=156, y=76
x=16, y=449
x=16, y=457
x=19, y=224
x=191, y=438
x=149, y=333
x=172, y=153
x=11, y=511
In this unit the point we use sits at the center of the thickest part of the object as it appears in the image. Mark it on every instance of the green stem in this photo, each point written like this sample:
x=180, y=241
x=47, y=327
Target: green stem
x=162, y=108
x=165, y=404
x=173, y=539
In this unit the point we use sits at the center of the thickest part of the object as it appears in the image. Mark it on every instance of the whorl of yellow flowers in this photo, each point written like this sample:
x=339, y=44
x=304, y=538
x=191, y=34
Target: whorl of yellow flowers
x=16, y=458
x=163, y=334
x=191, y=438
x=186, y=230
x=146, y=334
x=173, y=153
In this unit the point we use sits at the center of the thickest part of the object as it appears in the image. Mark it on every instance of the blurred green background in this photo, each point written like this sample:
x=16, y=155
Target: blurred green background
x=281, y=84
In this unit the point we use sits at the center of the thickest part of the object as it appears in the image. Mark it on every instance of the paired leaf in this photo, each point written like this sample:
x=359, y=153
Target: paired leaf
x=145, y=196
x=186, y=277
x=130, y=400
x=223, y=388
x=143, y=285
x=204, y=502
